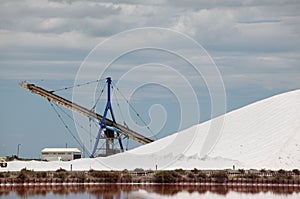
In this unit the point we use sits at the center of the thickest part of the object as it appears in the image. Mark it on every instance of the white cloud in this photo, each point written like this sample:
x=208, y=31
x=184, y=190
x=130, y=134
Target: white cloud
x=209, y=26
x=253, y=36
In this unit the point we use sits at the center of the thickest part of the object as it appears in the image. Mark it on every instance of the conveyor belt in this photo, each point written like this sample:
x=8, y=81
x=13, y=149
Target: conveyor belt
x=84, y=111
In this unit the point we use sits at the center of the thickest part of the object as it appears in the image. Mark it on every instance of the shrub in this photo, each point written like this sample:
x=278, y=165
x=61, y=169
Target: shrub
x=6, y=174
x=220, y=176
x=61, y=174
x=180, y=171
x=191, y=175
x=263, y=171
x=61, y=170
x=289, y=177
x=242, y=171
x=296, y=171
x=22, y=176
x=139, y=170
x=281, y=172
x=251, y=176
x=201, y=175
x=105, y=176
x=30, y=172
x=127, y=178
x=80, y=176
x=165, y=176
x=195, y=171
x=41, y=174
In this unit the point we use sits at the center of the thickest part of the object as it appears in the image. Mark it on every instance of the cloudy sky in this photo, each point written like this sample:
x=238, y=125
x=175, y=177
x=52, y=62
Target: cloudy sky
x=255, y=45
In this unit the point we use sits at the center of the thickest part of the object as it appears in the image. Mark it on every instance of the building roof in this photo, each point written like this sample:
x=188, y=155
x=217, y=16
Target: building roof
x=61, y=150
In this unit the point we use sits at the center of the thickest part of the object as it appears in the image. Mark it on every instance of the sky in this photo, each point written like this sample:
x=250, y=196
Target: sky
x=255, y=46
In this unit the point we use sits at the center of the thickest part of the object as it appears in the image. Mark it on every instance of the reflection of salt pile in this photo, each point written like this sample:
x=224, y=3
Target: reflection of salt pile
x=265, y=134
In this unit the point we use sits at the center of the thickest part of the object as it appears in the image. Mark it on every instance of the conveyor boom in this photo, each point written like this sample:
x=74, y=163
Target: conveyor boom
x=84, y=111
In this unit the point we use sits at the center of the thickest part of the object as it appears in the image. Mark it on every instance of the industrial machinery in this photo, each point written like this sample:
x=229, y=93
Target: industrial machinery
x=109, y=128
x=3, y=162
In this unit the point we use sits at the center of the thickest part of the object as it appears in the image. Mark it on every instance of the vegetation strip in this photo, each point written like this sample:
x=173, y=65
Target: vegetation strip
x=178, y=176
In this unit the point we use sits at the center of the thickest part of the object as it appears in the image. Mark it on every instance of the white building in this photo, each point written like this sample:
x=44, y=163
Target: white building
x=64, y=154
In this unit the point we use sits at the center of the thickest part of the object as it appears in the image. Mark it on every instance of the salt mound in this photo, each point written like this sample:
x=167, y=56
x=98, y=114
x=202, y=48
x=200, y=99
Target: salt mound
x=265, y=134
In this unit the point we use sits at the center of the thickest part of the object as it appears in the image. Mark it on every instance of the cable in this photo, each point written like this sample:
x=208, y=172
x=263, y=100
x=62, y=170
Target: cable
x=118, y=105
x=69, y=116
x=90, y=125
x=114, y=87
x=93, y=108
x=137, y=114
x=68, y=129
x=77, y=85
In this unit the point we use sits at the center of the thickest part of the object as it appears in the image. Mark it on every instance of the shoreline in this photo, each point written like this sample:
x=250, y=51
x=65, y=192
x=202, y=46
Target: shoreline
x=152, y=183
x=178, y=177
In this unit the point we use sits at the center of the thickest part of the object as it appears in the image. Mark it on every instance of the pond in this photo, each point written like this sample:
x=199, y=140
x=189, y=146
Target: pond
x=121, y=191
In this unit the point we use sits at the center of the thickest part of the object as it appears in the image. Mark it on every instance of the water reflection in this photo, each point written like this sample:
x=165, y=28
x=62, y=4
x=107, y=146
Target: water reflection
x=118, y=191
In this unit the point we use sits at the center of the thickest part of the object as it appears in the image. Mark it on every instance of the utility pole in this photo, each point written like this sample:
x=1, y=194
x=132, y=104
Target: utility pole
x=18, y=150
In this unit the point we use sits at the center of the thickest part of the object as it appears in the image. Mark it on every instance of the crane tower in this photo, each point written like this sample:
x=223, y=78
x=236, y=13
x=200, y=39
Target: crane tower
x=109, y=128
